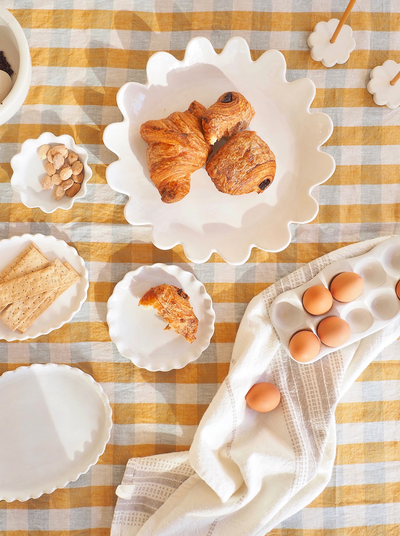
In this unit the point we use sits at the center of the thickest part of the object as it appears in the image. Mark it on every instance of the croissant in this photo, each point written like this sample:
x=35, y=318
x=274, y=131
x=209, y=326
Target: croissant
x=231, y=114
x=176, y=149
x=173, y=305
x=244, y=164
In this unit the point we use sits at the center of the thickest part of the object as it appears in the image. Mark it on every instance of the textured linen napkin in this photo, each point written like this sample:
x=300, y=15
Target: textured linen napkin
x=246, y=471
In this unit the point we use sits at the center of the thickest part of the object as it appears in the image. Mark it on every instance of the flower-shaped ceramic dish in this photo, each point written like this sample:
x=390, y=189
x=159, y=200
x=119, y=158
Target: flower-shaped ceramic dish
x=206, y=220
x=58, y=421
x=66, y=305
x=15, y=47
x=140, y=334
x=329, y=53
x=380, y=87
x=28, y=171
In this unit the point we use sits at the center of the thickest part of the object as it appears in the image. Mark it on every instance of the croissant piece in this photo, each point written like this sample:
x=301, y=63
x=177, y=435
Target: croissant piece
x=244, y=164
x=176, y=149
x=173, y=305
x=231, y=114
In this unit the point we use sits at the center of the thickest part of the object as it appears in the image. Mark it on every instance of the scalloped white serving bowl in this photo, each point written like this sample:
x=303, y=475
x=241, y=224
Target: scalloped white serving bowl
x=206, y=220
x=28, y=170
x=67, y=305
x=58, y=422
x=140, y=334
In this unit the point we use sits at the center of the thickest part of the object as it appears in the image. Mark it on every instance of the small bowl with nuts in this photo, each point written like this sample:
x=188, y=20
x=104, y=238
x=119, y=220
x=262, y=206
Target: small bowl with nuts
x=50, y=172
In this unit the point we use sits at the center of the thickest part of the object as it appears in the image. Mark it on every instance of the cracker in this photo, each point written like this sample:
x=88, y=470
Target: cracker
x=18, y=311
x=29, y=260
x=22, y=287
x=50, y=298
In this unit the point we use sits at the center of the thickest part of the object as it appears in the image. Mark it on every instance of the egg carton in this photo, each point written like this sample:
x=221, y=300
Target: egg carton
x=371, y=311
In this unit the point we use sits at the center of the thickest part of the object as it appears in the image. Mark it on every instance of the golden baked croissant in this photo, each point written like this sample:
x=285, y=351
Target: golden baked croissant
x=173, y=305
x=176, y=149
x=231, y=114
x=244, y=164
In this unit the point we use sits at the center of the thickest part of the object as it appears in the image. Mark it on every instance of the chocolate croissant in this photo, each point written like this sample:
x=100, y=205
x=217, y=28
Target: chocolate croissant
x=231, y=114
x=176, y=149
x=244, y=164
x=173, y=305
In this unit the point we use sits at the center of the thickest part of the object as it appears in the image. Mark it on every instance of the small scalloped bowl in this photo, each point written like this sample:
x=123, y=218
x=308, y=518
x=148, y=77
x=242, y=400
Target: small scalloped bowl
x=140, y=334
x=28, y=170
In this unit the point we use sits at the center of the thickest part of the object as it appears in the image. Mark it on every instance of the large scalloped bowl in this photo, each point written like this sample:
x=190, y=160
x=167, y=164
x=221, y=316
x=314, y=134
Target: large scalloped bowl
x=206, y=220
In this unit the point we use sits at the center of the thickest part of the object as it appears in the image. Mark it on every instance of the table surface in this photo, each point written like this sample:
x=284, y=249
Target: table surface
x=82, y=53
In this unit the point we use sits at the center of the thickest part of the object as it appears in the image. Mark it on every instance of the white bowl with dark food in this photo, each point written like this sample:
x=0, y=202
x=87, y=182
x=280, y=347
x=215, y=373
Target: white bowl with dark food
x=15, y=66
x=207, y=220
x=37, y=184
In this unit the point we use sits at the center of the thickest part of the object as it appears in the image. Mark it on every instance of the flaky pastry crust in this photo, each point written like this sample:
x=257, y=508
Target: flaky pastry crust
x=176, y=149
x=244, y=164
x=231, y=114
x=173, y=305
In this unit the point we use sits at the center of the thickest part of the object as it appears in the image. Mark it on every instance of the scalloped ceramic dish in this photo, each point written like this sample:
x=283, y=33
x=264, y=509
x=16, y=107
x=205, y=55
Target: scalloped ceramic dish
x=206, y=220
x=66, y=305
x=28, y=171
x=140, y=334
x=58, y=422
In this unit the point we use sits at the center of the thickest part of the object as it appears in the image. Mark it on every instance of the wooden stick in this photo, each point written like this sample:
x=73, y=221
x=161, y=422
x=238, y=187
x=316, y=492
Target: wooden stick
x=343, y=20
x=395, y=79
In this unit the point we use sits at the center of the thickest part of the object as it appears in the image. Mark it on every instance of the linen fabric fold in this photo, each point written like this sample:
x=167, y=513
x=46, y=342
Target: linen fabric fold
x=246, y=471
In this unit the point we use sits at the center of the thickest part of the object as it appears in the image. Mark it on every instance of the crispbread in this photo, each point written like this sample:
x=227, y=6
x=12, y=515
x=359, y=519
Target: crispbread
x=22, y=287
x=50, y=297
x=29, y=260
x=18, y=311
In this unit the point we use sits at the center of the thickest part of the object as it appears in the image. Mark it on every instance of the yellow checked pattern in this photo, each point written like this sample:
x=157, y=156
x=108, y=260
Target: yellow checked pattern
x=82, y=52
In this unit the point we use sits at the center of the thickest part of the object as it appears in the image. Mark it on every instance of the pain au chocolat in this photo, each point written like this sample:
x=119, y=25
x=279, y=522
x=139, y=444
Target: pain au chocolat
x=173, y=306
x=231, y=114
x=177, y=148
x=244, y=164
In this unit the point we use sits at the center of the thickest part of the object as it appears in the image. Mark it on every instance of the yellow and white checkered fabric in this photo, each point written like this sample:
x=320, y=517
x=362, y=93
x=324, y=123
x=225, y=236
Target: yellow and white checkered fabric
x=82, y=52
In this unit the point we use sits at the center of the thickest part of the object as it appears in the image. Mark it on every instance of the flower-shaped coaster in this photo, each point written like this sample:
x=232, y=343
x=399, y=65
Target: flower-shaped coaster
x=331, y=53
x=380, y=86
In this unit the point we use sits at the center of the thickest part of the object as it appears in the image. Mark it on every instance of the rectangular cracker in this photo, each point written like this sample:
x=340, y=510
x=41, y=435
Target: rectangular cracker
x=29, y=260
x=50, y=298
x=18, y=311
x=22, y=287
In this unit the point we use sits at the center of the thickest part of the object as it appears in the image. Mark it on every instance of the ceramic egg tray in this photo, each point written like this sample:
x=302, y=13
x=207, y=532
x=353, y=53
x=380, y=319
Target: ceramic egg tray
x=370, y=312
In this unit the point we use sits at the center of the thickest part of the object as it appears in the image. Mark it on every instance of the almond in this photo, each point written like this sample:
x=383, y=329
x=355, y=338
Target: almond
x=46, y=183
x=77, y=167
x=50, y=169
x=65, y=173
x=73, y=190
x=43, y=150
x=58, y=193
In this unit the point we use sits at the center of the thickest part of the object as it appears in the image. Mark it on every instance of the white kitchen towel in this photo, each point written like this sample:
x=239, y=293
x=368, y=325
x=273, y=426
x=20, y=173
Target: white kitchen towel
x=247, y=471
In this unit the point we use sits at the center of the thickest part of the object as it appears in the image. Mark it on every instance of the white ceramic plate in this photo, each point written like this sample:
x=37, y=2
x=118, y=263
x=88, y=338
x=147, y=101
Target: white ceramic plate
x=139, y=333
x=66, y=305
x=207, y=220
x=55, y=421
x=28, y=171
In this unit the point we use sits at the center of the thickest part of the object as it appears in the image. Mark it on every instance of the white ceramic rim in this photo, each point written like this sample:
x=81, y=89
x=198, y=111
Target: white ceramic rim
x=187, y=357
x=83, y=273
x=106, y=433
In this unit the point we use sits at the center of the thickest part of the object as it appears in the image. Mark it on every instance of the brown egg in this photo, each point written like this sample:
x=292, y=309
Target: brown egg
x=263, y=397
x=317, y=300
x=333, y=331
x=398, y=289
x=347, y=287
x=304, y=346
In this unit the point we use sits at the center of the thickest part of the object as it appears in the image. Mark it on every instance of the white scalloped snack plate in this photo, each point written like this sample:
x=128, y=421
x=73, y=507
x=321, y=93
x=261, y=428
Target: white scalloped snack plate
x=140, y=334
x=28, y=171
x=206, y=220
x=66, y=305
x=58, y=422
